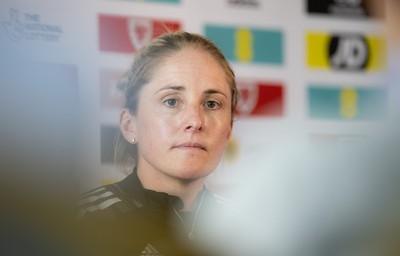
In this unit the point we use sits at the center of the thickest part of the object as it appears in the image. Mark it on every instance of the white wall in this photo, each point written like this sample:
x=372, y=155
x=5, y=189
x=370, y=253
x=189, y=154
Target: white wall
x=67, y=32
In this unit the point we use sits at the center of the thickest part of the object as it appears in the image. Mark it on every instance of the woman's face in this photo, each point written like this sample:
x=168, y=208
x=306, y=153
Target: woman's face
x=183, y=120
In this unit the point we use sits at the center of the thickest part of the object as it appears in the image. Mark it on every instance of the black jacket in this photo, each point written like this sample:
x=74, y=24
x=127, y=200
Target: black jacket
x=126, y=219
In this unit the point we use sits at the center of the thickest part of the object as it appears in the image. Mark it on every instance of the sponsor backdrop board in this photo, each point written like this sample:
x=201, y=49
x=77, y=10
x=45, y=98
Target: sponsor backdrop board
x=312, y=64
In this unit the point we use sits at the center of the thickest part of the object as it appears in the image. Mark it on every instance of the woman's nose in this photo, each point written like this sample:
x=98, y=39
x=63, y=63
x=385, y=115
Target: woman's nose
x=194, y=121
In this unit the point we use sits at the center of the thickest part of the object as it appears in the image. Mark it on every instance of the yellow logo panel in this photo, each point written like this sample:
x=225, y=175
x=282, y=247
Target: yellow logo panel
x=377, y=46
x=316, y=50
x=349, y=52
x=244, y=44
x=348, y=103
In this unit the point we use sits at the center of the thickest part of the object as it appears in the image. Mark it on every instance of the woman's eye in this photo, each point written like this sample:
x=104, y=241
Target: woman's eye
x=171, y=102
x=212, y=104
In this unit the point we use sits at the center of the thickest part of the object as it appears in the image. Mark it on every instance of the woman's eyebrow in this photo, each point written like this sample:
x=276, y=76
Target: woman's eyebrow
x=213, y=91
x=182, y=88
x=171, y=87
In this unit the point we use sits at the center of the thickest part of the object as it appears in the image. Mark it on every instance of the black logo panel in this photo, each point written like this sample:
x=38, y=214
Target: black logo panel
x=342, y=8
x=348, y=52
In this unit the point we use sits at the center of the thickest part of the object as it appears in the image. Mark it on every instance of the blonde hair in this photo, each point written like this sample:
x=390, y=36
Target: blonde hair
x=142, y=71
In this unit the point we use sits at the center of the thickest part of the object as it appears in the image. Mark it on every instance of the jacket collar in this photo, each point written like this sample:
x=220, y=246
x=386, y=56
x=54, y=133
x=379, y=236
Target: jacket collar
x=134, y=190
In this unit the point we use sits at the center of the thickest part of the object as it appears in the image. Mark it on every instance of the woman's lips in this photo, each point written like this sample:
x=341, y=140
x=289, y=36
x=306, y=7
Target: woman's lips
x=190, y=145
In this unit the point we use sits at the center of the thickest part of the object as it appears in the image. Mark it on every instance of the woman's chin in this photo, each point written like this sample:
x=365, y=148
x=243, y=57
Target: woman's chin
x=191, y=174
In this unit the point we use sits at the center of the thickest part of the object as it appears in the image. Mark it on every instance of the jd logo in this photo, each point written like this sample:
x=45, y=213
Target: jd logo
x=349, y=52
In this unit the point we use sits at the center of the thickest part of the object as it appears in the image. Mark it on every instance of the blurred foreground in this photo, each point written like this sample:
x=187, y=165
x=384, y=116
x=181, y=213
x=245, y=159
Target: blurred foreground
x=309, y=199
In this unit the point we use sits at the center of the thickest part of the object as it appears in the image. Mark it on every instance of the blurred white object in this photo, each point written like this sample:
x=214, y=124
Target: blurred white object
x=310, y=200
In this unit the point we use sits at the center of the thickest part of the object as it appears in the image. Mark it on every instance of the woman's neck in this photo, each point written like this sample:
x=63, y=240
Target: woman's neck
x=185, y=189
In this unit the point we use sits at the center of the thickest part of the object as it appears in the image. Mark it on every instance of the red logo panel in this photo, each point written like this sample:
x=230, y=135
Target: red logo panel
x=128, y=34
x=260, y=99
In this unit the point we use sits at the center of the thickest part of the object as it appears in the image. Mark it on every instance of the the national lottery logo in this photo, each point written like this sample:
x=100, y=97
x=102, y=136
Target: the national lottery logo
x=260, y=99
x=128, y=34
x=30, y=26
x=346, y=51
x=347, y=102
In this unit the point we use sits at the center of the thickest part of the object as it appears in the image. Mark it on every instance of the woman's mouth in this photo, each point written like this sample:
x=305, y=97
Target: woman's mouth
x=190, y=145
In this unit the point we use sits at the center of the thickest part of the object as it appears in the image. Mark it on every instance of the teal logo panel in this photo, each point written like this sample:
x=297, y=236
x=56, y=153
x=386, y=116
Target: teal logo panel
x=347, y=103
x=248, y=45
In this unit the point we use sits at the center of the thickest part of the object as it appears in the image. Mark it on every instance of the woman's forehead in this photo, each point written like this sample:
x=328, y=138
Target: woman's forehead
x=190, y=66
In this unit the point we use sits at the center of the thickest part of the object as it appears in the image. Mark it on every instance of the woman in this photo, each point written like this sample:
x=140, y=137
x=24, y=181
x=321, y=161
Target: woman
x=180, y=94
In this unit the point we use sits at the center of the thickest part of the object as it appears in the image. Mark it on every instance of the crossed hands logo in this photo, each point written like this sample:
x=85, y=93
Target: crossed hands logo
x=14, y=27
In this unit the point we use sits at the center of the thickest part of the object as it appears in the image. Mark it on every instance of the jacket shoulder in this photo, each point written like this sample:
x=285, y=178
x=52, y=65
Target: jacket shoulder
x=104, y=202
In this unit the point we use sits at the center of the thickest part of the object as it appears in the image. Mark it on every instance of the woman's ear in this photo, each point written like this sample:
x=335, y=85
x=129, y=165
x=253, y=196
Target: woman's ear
x=127, y=125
